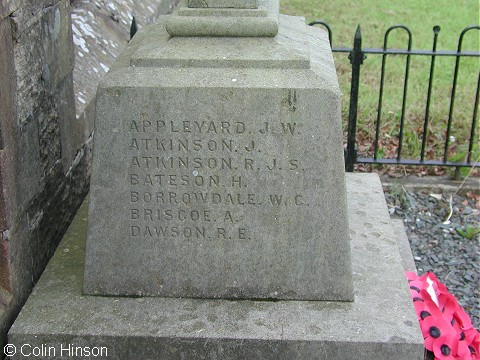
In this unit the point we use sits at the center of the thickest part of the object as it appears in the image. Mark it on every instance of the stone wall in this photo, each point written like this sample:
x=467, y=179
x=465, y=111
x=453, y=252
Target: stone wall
x=41, y=185
x=46, y=124
x=101, y=30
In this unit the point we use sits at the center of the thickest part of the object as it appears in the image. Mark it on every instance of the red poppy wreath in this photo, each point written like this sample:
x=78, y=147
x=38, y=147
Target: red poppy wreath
x=446, y=327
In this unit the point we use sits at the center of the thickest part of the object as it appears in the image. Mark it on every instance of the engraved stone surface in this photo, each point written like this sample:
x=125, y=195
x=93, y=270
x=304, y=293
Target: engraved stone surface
x=380, y=324
x=220, y=182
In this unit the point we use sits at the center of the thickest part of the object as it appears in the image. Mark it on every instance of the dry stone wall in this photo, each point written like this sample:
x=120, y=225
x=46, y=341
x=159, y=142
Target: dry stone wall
x=49, y=68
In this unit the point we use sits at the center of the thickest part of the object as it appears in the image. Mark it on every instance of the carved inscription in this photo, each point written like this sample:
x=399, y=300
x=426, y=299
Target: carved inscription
x=188, y=180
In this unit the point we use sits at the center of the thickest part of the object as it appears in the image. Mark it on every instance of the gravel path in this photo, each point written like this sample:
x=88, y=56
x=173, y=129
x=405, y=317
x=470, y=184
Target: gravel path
x=438, y=245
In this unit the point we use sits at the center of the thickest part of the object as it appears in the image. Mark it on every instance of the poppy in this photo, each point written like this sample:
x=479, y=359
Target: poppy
x=463, y=319
x=418, y=285
x=445, y=347
x=463, y=352
x=474, y=346
x=426, y=308
x=411, y=276
x=470, y=336
x=435, y=327
x=448, y=304
x=447, y=329
x=440, y=288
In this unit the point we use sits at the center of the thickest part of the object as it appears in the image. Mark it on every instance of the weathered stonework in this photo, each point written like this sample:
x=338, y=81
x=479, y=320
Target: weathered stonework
x=7, y=116
x=39, y=68
x=225, y=18
x=218, y=170
x=380, y=324
x=40, y=192
x=45, y=145
x=59, y=313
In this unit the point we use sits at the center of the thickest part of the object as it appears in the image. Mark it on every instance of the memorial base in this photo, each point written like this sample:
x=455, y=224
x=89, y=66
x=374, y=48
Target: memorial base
x=61, y=323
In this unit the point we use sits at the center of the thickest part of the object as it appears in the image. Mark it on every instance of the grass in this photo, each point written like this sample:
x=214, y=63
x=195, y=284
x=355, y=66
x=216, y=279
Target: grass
x=375, y=17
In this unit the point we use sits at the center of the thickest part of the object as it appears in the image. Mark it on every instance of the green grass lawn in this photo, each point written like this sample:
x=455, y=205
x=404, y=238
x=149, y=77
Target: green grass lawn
x=375, y=17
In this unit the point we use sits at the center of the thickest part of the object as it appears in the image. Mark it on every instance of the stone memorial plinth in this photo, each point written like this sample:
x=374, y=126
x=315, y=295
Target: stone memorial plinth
x=380, y=324
x=221, y=224
x=218, y=171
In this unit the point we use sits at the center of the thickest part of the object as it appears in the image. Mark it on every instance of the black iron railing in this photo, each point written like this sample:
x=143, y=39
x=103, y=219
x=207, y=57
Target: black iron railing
x=357, y=55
